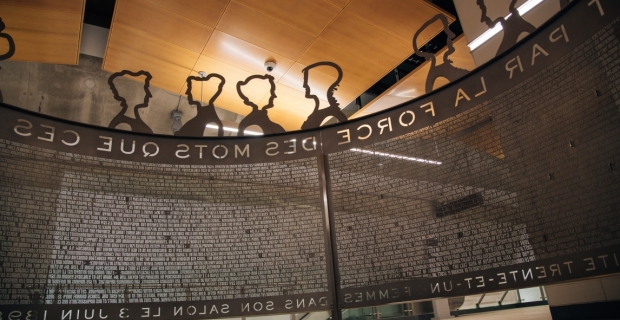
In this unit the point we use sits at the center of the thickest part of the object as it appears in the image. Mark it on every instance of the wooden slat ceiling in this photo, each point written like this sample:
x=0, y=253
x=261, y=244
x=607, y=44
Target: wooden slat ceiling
x=173, y=39
x=43, y=30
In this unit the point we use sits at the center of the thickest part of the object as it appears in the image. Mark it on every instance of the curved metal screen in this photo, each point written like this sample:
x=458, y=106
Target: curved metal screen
x=504, y=179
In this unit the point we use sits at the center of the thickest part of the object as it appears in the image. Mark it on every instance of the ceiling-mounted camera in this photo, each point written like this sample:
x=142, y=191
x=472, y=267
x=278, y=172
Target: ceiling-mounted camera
x=270, y=65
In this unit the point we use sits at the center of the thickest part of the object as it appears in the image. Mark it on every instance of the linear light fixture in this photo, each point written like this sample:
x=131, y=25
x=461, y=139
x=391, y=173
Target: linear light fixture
x=395, y=156
x=253, y=133
x=526, y=7
x=313, y=142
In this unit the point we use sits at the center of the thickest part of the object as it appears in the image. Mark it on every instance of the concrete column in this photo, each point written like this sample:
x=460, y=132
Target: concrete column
x=441, y=309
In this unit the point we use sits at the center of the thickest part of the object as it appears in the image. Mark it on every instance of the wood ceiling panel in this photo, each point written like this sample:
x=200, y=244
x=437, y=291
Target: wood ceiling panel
x=264, y=31
x=68, y=6
x=166, y=75
x=231, y=73
x=51, y=24
x=207, y=12
x=340, y=3
x=162, y=23
x=319, y=82
x=281, y=115
x=399, y=17
x=359, y=72
x=311, y=16
x=231, y=101
x=234, y=38
x=42, y=36
x=137, y=43
x=356, y=35
x=244, y=55
x=42, y=49
x=294, y=103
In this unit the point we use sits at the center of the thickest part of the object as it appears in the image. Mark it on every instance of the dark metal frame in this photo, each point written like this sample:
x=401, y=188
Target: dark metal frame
x=330, y=236
x=328, y=143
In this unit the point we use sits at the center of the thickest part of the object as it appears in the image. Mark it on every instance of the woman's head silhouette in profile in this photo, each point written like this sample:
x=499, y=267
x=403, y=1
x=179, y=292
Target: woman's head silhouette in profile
x=258, y=116
x=272, y=91
x=205, y=114
x=136, y=124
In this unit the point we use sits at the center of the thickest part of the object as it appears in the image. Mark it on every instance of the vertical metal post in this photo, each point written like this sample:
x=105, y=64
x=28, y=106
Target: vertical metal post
x=503, y=296
x=479, y=301
x=333, y=275
x=542, y=293
x=408, y=308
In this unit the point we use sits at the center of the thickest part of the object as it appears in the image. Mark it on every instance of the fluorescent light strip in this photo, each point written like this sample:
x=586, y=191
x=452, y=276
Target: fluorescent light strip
x=526, y=7
x=253, y=133
x=313, y=142
x=529, y=5
x=395, y=156
x=485, y=37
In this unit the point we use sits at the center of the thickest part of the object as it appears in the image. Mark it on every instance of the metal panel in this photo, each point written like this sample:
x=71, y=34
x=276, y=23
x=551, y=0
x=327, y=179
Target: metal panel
x=112, y=223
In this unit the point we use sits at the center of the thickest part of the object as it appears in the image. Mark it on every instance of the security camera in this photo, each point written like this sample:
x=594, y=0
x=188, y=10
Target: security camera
x=270, y=65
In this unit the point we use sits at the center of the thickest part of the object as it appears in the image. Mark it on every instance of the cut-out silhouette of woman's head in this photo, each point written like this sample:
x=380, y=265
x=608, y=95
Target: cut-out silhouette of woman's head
x=446, y=69
x=137, y=124
x=205, y=114
x=10, y=52
x=191, y=79
x=272, y=90
x=258, y=116
x=333, y=110
x=513, y=26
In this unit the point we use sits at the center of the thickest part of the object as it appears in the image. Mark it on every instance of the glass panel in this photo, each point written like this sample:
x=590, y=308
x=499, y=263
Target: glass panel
x=359, y=314
x=392, y=311
x=530, y=294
